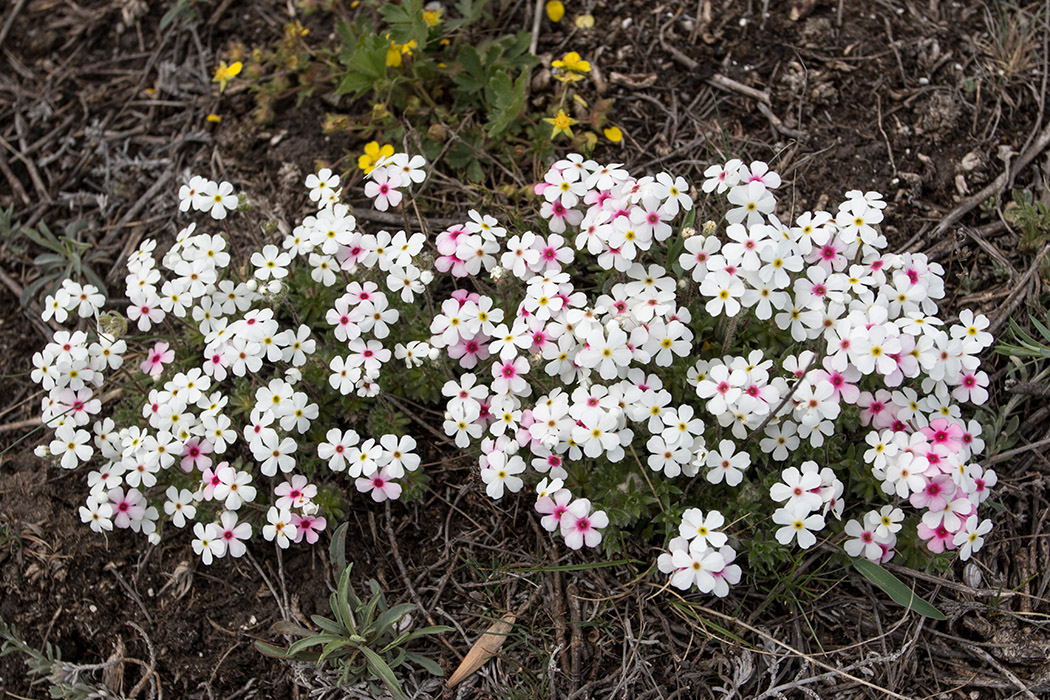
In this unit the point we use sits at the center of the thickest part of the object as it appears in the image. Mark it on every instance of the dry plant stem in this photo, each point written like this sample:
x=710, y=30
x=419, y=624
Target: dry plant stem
x=992, y=189
x=1003, y=456
x=406, y=578
x=537, y=21
x=112, y=568
x=273, y=591
x=576, y=645
x=981, y=653
x=783, y=402
x=1017, y=296
x=808, y=657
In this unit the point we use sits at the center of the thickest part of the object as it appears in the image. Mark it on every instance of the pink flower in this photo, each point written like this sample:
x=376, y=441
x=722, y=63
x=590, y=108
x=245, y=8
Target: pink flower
x=210, y=479
x=383, y=189
x=936, y=494
x=944, y=433
x=195, y=454
x=938, y=538
x=553, y=507
x=156, y=358
x=127, y=507
x=380, y=486
x=469, y=350
x=307, y=527
x=580, y=526
x=464, y=297
x=294, y=493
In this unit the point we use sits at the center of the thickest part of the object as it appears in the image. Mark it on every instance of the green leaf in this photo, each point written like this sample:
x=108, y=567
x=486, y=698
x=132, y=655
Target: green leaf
x=406, y=22
x=366, y=66
x=332, y=648
x=291, y=628
x=313, y=641
x=337, y=549
x=271, y=650
x=381, y=670
x=327, y=625
x=427, y=663
x=508, y=102
x=896, y=589
x=393, y=615
x=470, y=11
x=406, y=637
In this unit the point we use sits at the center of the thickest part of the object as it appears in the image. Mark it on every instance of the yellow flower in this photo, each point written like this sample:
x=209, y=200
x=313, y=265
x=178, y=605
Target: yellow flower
x=585, y=21
x=570, y=68
x=555, y=10
x=432, y=13
x=562, y=124
x=224, y=73
x=396, y=50
x=213, y=118
x=373, y=152
x=613, y=133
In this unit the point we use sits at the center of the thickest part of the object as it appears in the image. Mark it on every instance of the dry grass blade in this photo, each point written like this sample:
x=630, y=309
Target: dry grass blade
x=487, y=646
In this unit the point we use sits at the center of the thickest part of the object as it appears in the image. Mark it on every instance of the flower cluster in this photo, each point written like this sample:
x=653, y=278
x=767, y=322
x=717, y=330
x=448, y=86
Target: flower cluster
x=168, y=457
x=551, y=378
x=863, y=321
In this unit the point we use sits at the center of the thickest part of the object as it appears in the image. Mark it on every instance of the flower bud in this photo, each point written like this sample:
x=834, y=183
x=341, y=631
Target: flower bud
x=437, y=132
x=709, y=227
x=113, y=325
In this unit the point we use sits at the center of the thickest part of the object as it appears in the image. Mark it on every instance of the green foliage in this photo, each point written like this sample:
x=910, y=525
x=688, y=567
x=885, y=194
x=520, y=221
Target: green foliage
x=365, y=641
x=1024, y=343
x=453, y=81
x=1031, y=216
x=895, y=589
x=64, y=257
x=182, y=11
x=65, y=680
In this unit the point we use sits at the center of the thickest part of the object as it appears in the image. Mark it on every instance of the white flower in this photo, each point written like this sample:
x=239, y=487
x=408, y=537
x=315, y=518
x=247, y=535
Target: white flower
x=501, y=473
x=797, y=525
x=321, y=184
x=217, y=198
x=271, y=261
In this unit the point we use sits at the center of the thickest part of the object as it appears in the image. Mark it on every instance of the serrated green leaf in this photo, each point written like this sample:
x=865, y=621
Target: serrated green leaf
x=896, y=589
x=508, y=102
x=406, y=22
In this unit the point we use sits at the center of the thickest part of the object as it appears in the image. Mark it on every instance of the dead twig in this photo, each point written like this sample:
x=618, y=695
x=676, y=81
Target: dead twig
x=993, y=189
x=988, y=658
x=11, y=20
x=1017, y=295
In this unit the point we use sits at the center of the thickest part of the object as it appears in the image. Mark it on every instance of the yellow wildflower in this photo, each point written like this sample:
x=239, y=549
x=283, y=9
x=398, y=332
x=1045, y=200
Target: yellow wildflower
x=613, y=133
x=432, y=13
x=562, y=124
x=224, y=73
x=585, y=21
x=555, y=10
x=396, y=50
x=373, y=152
x=570, y=68
x=213, y=118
